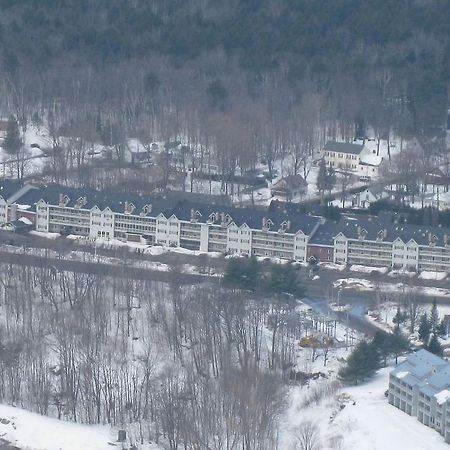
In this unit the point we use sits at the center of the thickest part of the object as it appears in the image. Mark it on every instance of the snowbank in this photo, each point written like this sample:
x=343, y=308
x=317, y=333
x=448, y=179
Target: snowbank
x=367, y=269
x=430, y=275
x=331, y=266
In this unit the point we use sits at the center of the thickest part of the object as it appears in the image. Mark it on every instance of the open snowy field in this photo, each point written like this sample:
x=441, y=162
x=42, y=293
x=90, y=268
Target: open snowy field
x=30, y=431
x=360, y=418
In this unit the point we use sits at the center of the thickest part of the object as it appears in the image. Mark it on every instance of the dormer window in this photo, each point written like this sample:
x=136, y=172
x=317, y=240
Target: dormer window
x=80, y=202
x=225, y=219
x=195, y=215
x=63, y=200
x=129, y=208
x=213, y=217
x=433, y=240
x=267, y=223
x=362, y=233
x=146, y=209
x=285, y=226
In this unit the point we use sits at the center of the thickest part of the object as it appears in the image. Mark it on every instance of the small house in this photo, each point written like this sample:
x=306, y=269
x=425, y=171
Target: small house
x=290, y=187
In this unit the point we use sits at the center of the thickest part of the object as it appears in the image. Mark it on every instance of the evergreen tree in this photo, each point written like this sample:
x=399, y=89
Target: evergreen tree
x=382, y=342
x=398, y=343
x=424, y=329
x=434, y=318
x=361, y=364
x=242, y=273
x=435, y=346
x=12, y=142
x=399, y=317
x=284, y=278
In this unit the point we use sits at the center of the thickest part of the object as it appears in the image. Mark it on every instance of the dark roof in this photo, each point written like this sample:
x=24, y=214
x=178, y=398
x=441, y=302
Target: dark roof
x=116, y=201
x=290, y=182
x=9, y=187
x=253, y=217
x=350, y=226
x=343, y=147
x=325, y=234
x=197, y=197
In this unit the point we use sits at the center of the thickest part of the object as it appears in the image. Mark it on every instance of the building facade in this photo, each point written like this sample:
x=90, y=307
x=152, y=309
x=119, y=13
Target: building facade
x=284, y=233
x=354, y=158
x=420, y=387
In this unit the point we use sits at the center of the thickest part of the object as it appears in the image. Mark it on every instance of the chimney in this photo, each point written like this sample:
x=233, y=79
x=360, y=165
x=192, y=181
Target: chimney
x=12, y=212
x=264, y=223
x=288, y=225
x=445, y=239
x=126, y=208
x=193, y=215
x=385, y=233
x=61, y=200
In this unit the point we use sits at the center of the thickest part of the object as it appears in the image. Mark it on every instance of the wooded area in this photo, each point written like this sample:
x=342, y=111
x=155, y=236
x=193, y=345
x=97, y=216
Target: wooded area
x=244, y=80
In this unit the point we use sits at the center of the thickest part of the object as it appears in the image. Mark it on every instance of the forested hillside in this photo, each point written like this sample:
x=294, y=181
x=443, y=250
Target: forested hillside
x=369, y=59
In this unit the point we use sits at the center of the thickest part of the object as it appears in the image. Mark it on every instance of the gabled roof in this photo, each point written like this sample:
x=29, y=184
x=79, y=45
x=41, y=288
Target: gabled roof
x=253, y=217
x=343, y=147
x=290, y=182
x=9, y=187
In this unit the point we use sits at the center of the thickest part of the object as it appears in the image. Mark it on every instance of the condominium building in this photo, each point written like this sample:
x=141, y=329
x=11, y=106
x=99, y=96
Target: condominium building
x=177, y=221
x=163, y=221
x=420, y=387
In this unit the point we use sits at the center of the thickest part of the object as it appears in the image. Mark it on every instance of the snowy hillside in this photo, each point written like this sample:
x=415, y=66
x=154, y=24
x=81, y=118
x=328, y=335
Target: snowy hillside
x=30, y=431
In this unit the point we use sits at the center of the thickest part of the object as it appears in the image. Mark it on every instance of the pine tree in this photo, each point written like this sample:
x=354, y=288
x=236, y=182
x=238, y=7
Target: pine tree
x=242, y=273
x=399, y=317
x=284, y=278
x=434, y=318
x=361, y=364
x=424, y=329
x=382, y=342
x=12, y=142
x=435, y=346
x=330, y=179
x=399, y=343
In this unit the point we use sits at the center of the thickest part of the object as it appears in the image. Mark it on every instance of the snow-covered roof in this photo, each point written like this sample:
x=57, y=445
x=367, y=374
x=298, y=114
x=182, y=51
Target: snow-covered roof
x=441, y=397
x=343, y=147
x=402, y=374
x=371, y=160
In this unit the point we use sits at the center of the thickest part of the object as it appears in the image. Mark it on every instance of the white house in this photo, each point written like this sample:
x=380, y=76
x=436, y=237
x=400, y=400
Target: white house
x=353, y=157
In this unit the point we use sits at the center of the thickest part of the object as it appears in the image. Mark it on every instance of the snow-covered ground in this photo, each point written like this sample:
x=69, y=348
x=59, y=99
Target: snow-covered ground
x=366, y=421
x=362, y=284
x=30, y=431
x=430, y=275
x=367, y=269
x=331, y=266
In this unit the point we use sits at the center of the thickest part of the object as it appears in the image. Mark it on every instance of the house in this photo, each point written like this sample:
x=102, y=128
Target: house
x=369, y=165
x=352, y=157
x=21, y=225
x=136, y=153
x=365, y=198
x=290, y=187
x=420, y=387
x=342, y=155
